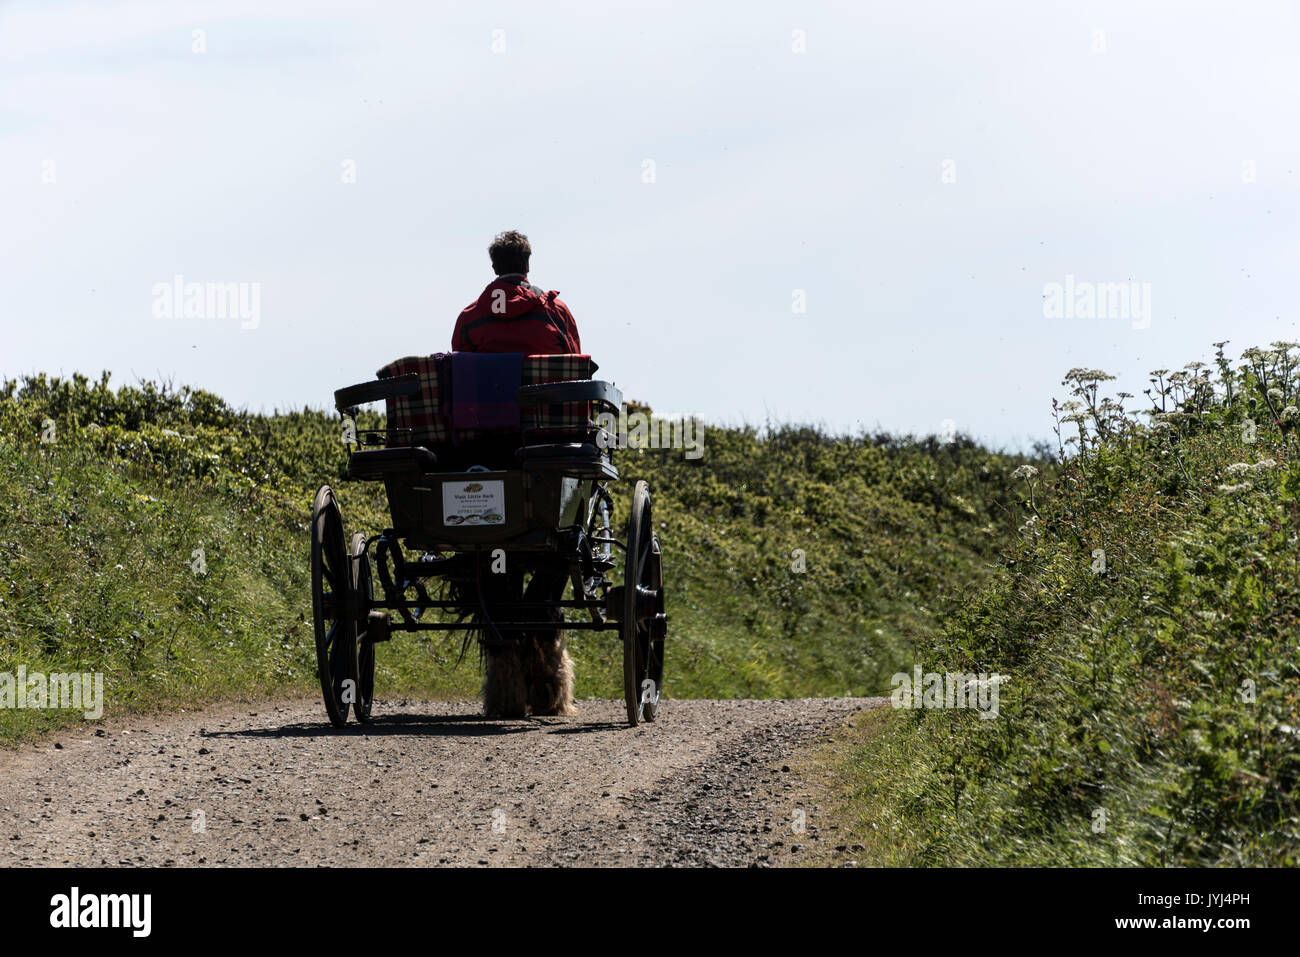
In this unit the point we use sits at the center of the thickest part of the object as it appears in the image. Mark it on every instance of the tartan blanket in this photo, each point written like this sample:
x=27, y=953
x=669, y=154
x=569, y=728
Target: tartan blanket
x=428, y=414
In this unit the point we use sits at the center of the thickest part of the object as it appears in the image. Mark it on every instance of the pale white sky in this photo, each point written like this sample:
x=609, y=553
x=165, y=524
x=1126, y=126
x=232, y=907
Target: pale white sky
x=775, y=171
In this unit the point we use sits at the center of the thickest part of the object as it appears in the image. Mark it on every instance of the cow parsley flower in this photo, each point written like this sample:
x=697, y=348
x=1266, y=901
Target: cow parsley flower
x=1234, y=489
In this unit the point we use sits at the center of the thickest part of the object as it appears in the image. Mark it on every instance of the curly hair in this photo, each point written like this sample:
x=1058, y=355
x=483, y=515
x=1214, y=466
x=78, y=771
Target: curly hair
x=510, y=251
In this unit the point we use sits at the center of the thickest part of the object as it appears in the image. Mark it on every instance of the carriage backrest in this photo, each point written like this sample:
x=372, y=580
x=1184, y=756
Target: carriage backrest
x=430, y=414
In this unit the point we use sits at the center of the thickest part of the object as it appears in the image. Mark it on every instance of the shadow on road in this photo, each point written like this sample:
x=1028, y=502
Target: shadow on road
x=586, y=728
x=434, y=725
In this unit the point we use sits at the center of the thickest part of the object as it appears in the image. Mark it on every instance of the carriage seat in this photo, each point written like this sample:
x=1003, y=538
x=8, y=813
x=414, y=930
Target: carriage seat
x=434, y=417
x=399, y=460
x=452, y=412
x=570, y=451
x=578, y=459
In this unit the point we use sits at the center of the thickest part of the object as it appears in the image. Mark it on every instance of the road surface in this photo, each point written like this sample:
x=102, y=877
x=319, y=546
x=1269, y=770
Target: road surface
x=429, y=783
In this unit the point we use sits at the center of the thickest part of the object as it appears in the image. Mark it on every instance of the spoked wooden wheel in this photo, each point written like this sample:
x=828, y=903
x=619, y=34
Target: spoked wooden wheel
x=643, y=624
x=336, y=646
x=362, y=588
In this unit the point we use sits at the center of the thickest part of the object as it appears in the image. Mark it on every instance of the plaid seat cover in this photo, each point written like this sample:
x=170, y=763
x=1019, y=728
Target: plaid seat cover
x=428, y=414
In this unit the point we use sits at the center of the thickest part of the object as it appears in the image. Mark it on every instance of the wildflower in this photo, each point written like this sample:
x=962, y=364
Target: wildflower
x=1233, y=489
x=1275, y=395
x=1290, y=414
x=1085, y=376
x=1237, y=469
x=1024, y=472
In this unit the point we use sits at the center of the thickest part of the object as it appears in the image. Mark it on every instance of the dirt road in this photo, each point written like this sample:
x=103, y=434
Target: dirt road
x=430, y=783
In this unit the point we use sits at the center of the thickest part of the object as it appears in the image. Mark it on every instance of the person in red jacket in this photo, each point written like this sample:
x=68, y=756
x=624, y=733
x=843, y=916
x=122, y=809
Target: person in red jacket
x=513, y=315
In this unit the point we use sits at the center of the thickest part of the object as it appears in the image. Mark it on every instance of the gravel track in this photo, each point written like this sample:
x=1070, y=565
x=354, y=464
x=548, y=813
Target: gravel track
x=429, y=783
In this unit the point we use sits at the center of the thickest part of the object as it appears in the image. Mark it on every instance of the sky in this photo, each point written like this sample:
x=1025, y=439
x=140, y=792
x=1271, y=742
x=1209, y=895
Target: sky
x=844, y=214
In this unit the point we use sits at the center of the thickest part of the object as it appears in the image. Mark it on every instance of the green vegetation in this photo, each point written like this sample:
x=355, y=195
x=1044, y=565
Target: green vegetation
x=104, y=523
x=1150, y=716
x=1139, y=590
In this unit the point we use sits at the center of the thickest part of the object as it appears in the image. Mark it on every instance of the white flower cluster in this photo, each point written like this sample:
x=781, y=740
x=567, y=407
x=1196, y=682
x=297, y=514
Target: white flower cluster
x=1234, y=489
x=1238, y=469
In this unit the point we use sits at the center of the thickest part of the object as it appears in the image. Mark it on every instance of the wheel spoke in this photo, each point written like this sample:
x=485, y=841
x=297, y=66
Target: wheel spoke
x=336, y=669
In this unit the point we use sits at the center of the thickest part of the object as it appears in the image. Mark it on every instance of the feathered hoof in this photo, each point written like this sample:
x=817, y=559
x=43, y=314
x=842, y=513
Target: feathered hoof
x=550, y=678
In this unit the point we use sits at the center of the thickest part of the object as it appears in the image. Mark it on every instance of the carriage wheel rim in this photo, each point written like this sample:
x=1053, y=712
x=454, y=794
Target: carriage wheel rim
x=642, y=648
x=329, y=609
x=652, y=644
x=359, y=563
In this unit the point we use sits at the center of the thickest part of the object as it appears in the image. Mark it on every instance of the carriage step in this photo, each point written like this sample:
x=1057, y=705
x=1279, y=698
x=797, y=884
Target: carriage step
x=377, y=627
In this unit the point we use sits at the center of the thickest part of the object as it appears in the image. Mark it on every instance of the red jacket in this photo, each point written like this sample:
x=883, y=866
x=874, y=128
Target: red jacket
x=513, y=315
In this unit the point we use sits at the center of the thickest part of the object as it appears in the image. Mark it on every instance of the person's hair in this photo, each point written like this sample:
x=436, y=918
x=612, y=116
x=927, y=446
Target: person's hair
x=510, y=251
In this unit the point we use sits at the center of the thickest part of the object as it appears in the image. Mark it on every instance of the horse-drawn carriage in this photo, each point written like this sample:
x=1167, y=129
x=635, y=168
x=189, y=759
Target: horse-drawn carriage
x=496, y=471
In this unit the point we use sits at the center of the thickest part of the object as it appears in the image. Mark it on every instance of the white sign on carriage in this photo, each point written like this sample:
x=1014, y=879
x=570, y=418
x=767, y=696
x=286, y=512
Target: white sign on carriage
x=474, y=503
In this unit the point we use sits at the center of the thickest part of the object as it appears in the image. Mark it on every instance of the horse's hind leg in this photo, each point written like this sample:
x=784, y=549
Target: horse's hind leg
x=550, y=670
x=504, y=682
x=550, y=685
